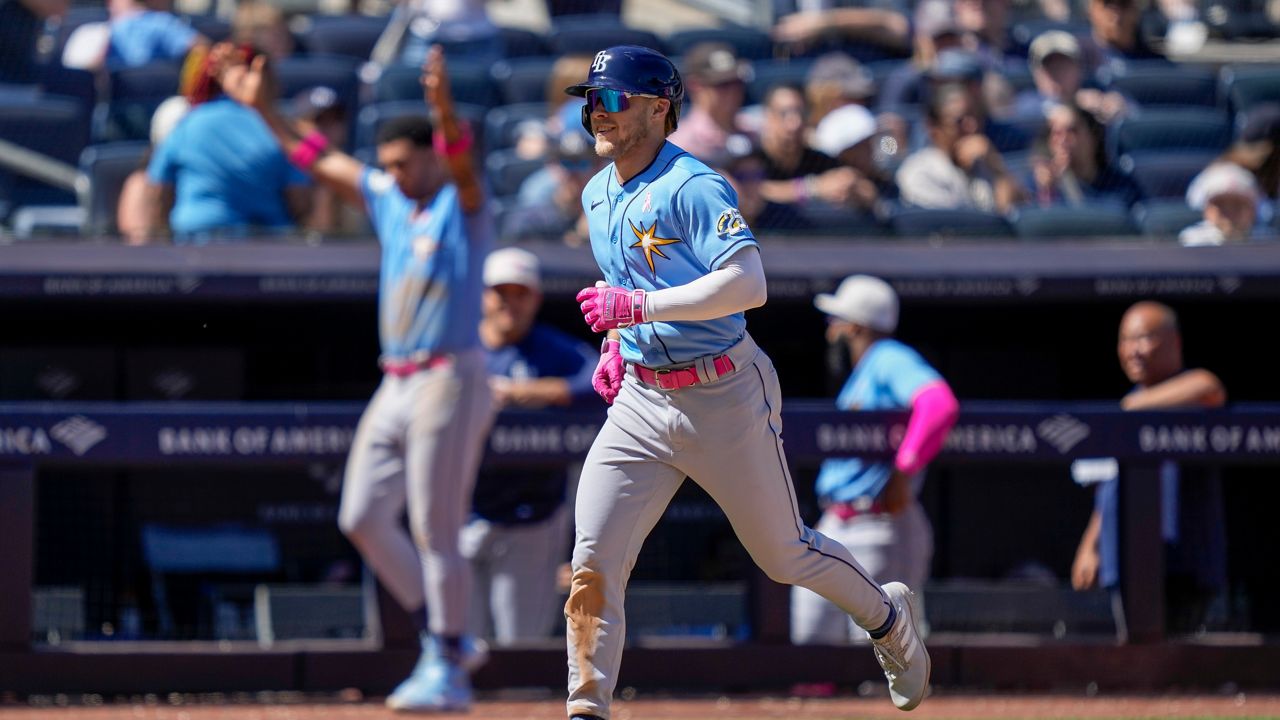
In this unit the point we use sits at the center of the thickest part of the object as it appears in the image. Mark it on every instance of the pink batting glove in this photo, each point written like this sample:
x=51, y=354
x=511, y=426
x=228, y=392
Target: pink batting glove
x=607, y=379
x=609, y=308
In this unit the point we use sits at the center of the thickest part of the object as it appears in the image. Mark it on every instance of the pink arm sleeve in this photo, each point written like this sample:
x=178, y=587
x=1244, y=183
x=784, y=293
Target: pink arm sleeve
x=934, y=410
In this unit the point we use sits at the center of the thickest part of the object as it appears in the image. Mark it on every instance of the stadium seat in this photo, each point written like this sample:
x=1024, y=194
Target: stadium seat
x=1247, y=85
x=135, y=95
x=470, y=82
x=106, y=167
x=501, y=124
x=78, y=84
x=1164, y=217
x=346, y=35
x=589, y=35
x=777, y=72
x=820, y=219
x=523, y=43
x=1169, y=129
x=1164, y=173
x=55, y=127
x=1161, y=84
x=506, y=170
x=947, y=223
x=523, y=80
x=750, y=44
x=1091, y=220
x=211, y=27
x=372, y=116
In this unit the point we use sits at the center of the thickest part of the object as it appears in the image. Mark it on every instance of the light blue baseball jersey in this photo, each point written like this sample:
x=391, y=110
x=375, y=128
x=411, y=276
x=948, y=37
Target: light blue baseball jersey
x=228, y=172
x=669, y=225
x=147, y=37
x=886, y=378
x=430, y=284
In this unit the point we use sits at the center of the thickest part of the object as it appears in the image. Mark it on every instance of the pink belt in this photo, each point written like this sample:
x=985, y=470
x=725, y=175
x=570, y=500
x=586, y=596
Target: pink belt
x=682, y=378
x=404, y=368
x=846, y=511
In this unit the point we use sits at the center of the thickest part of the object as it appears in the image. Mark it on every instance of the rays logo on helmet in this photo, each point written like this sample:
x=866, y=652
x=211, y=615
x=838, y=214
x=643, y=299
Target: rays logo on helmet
x=602, y=59
x=730, y=222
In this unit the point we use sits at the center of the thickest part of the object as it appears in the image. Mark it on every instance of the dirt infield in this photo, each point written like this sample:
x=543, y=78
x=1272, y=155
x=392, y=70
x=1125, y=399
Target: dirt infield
x=959, y=707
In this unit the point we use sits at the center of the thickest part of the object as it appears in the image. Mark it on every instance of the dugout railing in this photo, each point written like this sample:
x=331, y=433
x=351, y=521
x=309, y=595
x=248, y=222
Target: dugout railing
x=38, y=435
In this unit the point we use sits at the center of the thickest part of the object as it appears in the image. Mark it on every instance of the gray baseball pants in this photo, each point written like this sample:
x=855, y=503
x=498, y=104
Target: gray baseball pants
x=419, y=444
x=727, y=436
x=514, y=568
x=890, y=547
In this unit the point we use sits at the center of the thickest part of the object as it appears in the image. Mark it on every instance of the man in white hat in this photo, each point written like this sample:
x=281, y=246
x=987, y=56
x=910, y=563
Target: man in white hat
x=846, y=134
x=871, y=507
x=518, y=534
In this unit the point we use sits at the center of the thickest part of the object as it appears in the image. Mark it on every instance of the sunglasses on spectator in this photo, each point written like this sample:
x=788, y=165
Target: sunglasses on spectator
x=611, y=100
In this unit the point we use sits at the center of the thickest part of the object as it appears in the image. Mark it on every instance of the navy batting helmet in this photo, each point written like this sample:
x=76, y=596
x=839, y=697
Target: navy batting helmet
x=633, y=69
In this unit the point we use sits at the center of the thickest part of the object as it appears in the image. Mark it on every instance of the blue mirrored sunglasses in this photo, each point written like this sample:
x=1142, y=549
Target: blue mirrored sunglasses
x=611, y=100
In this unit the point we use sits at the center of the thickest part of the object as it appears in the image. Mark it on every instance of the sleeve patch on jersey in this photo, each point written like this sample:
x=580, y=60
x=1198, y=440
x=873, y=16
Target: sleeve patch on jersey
x=730, y=223
x=380, y=182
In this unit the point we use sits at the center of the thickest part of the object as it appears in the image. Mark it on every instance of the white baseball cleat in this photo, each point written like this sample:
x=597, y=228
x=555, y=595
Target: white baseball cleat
x=901, y=652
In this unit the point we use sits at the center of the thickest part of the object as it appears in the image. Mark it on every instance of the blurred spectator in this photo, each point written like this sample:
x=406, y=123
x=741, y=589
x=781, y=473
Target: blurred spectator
x=1115, y=38
x=960, y=168
x=886, y=27
x=834, y=80
x=320, y=108
x=1054, y=59
x=518, y=533
x=986, y=25
x=964, y=68
x=1230, y=204
x=935, y=30
x=21, y=23
x=1194, y=522
x=220, y=173
x=794, y=172
x=550, y=207
x=463, y=25
x=259, y=25
x=1258, y=151
x=139, y=32
x=716, y=80
x=532, y=137
x=873, y=507
x=133, y=209
x=743, y=166
x=846, y=134
x=1069, y=164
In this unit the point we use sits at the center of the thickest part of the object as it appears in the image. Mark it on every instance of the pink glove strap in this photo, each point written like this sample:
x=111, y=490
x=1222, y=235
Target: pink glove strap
x=934, y=411
x=309, y=150
x=623, y=308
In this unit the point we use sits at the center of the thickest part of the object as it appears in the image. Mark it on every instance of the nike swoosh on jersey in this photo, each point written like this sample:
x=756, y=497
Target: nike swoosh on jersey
x=596, y=204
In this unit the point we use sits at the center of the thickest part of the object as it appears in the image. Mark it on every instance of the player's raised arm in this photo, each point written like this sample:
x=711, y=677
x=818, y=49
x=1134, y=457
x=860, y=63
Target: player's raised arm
x=455, y=138
x=253, y=85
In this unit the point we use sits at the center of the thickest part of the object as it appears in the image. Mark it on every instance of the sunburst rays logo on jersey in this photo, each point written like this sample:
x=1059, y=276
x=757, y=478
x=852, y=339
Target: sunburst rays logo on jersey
x=649, y=244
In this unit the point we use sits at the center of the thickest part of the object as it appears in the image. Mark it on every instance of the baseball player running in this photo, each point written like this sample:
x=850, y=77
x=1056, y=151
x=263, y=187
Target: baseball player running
x=419, y=441
x=691, y=393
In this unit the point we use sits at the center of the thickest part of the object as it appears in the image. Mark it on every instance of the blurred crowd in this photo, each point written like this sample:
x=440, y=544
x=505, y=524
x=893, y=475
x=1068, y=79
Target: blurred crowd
x=931, y=118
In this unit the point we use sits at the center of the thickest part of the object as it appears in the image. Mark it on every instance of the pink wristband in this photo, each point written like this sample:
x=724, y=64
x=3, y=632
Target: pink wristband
x=457, y=147
x=309, y=150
